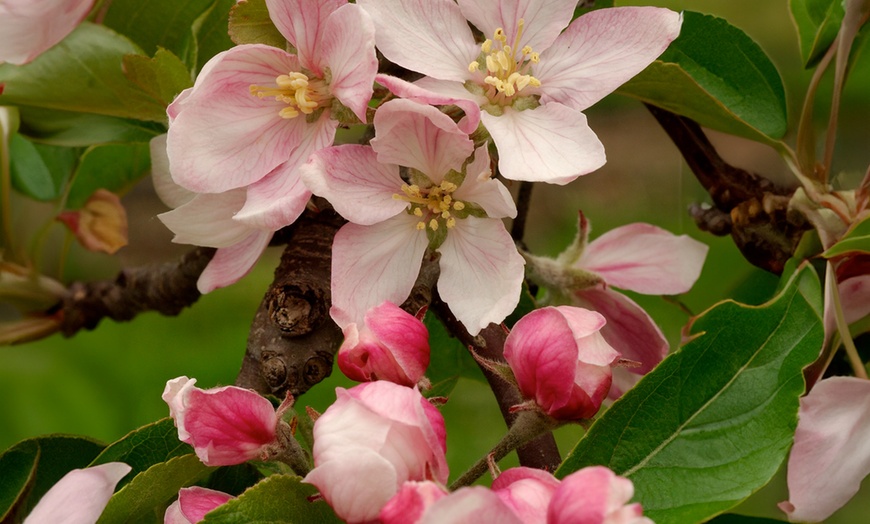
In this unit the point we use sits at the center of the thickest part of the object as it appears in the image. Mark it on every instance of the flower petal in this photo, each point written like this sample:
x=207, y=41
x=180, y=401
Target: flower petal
x=371, y=264
x=195, y=501
x=427, y=36
x=207, y=220
x=475, y=504
x=167, y=190
x=830, y=456
x=429, y=90
x=645, y=259
x=421, y=137
x=544, y=19
x=359, y=187
x=230, y=264
x=222, y=136
x=80, y=496
x=301, y=22
x=550, y=143
x=481, y=272
x=29, y=27
x=348, y=49
x=479, y=187
x=602, y=50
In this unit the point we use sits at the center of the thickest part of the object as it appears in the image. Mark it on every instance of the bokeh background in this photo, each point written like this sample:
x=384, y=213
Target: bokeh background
x=108, y=382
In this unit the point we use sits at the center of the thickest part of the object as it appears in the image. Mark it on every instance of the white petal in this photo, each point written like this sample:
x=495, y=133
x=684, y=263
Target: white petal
x=481, y=189
x=29, y=27
x=207, y=220
x=428, y=90
x=550, y=143
x=481, y=272
x=80, y=496
x=169, y=192
x=348, y=49
x=301, y=23
x=544, y=19
x=230, y=264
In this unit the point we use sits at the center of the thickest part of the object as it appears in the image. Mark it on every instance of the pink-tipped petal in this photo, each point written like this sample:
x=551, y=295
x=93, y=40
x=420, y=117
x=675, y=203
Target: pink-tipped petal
x=527, y=491
x=544, y=19
x=359, y=187
x=371, y=264
x=80, y=496
x=419, y=136
x=404, y=335
x=207, y=220
x=302, y=23
x=167, y=190
x=429, y=90
x=412, y=500
x=602, y=50
x=195, y=501
x=28, y=28
x=481, y=272
x=550, y=143
x=348, y=49
x=595, y=495
x=427, y=36
x=480, y=188
x=230, y=264
x=645, y=259
x=830, y=456
x=470, y=505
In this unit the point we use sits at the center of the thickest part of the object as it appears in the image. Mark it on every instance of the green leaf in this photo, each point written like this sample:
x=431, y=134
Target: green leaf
x=39, y=171
x=211, y=32
x=448, y=361
x=18, y=465
x=234, y=479
x=733, y=518
x=718, y=76
x=69, y=129
x=145, y=447
x=162, y=77
x=714, y=421
x=276, y=499
x=112, y=166
x=250, y=24
x=856, y=240
x=144, y=499
x=82, y=74
x=817, y=22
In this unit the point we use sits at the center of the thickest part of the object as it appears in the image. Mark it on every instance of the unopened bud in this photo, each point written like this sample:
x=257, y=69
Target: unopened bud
x=101, y=225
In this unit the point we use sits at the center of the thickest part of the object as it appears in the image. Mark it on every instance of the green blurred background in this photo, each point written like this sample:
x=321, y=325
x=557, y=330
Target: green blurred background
x=107, y=382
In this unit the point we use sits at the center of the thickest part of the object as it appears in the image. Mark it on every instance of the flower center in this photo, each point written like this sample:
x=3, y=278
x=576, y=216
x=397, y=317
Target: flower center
x=433, y=205
x=508, y=70
x=301, y=94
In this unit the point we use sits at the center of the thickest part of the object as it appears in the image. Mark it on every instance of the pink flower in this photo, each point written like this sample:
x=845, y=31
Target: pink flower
x=475, y=504
x=80, y=496
x=595, y=495
x=256, y=112
x=28, y=28
x=527, y=492
x=530, y=81
x=207, y=219
x=449, y=203
x=192, y=505
x=830, y=456
x=561, y=361
x=225, y=426
x=391, y=345
x=383, y=433
x=411, y=502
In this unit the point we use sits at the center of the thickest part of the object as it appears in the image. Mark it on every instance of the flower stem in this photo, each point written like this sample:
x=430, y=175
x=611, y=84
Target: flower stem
x=843, y=328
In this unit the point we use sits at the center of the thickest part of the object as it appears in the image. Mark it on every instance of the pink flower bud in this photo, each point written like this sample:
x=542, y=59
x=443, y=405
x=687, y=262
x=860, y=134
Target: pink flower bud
x=527, y=492
x=192, y=505
x=411, y=502
x=80, y=496
x=561, y=361
x=594, y=495
x=475, y=504
x=225, y=426
x=375, y=437
x=392, y=345
x=101, y=225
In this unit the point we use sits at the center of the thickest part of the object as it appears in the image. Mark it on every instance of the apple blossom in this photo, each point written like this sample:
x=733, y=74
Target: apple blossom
x=28, y=28
x=410, y=503
x=390, y=345
x=527, y=492
x=475, y=504
x=561, y=361
x=381, y=432
x=530, y=81
x=830, y=456
x=448, y=203
x=80, y=496
x=595, y=495
x=256, y=112
x=192, y=505
x=226, y=426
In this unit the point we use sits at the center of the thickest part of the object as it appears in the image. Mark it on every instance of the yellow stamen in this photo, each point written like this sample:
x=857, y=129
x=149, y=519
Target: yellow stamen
x=506, y=70
x=301, y=94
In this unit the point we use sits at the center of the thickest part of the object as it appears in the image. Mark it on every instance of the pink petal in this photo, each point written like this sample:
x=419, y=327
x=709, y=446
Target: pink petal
x=602, y=50
x=412, y=500
x=359, y=187
x=594, y=495
x=480, y=188
x=230, y=264
x=348, y=49
x=629, y=329
x=527, y=492
x=175, y=395
x=470, y=505
x=222, y=136
x=30, y=27
x=207, y=220
x=645, y=259
x=481, y=272
x=427, y=36
x=830, y=456
x=371, y=264
x=544, y=19
x=302, y=23
x=167, y=190
x=550, y=143
x=421, y=137
x=405, y=336
x=195, y=501
x=428, y=90
x=855, y=297
x=80, y=496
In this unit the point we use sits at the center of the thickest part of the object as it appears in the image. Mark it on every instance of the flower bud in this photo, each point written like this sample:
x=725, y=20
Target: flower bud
x=411, y=502
x=101, y=225
x=595, y=495
x=192, y=505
